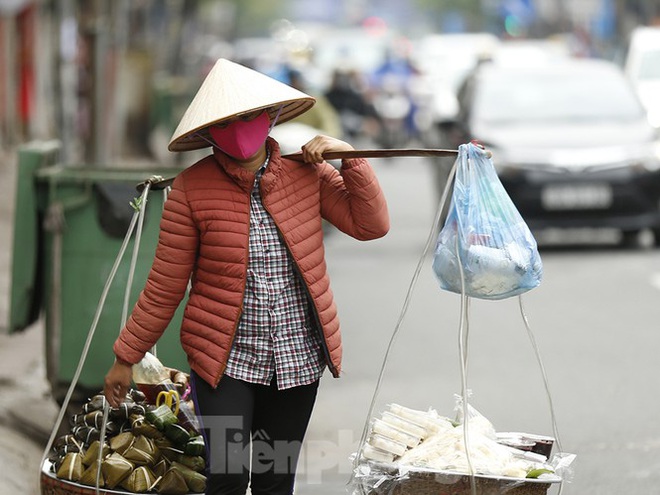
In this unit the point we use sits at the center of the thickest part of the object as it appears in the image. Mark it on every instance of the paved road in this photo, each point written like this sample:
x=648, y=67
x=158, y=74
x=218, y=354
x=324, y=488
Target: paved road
x=595, y=319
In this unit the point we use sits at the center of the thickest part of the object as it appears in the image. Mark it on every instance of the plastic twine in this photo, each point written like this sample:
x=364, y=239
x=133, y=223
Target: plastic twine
x=464, y=327
x=411, y=288
x=546, y=383
x=463, y=334
x=140, y=208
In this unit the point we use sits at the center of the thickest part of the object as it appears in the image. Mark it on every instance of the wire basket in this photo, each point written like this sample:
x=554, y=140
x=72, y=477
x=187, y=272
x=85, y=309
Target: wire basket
x=52, y=485
x=430, y=482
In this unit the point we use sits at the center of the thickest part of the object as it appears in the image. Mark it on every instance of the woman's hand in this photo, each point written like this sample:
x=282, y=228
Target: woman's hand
x=117, y=382
x=314, y=149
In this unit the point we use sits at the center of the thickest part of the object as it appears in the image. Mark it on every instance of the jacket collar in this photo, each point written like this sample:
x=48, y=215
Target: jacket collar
x=245, y=178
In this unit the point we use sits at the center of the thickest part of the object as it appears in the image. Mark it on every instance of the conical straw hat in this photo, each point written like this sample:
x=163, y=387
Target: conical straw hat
x=229, y=90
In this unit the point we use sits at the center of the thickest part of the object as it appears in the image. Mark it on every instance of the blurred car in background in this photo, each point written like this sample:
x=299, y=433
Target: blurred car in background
x=444, y=61
x=570, y=141
x=642, y=66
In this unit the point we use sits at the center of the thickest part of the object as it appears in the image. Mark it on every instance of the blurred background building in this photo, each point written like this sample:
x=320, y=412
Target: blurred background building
x=110, y=79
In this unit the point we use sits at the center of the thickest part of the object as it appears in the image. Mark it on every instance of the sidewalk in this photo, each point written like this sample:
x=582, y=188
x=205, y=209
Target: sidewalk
x=27, y=412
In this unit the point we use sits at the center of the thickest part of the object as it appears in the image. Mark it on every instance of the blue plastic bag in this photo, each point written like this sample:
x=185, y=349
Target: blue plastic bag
x=485, y=248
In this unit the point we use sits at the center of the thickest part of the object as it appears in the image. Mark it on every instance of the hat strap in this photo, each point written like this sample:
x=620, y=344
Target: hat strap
x=207, y=140
x=277, y=116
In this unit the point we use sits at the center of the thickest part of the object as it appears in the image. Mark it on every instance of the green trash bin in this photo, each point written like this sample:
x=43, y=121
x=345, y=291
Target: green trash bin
x=70, y=223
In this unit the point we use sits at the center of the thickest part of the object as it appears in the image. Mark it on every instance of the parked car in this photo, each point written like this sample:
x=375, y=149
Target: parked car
x=570, y=141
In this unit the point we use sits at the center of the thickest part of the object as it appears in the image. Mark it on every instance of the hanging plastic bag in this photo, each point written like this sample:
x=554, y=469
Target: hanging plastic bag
x=485, y=248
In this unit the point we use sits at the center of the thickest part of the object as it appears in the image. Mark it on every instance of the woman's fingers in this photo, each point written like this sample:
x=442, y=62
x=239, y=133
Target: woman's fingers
x=314, y=149
x=116, y=383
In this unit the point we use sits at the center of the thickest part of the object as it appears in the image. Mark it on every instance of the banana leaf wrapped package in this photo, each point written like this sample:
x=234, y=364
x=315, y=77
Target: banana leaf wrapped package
x=141, y=480
x=196, y=481
x=92, y=453
x=71, y=468
x=142, y=441
x=140, y=426
x=172, y=483
x=161, y=467
x=142, y=452
x=195, y=446
x=89, y=475
x=122, y=442
x=161, y=416
x=115, y=469
x=177, y=434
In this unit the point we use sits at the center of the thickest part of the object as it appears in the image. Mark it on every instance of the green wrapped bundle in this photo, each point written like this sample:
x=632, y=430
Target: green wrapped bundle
x=161, y=416
x=140, y=426
x=195, y=446
x=178, y=434
x=163, y=443
x=194, y=462
x=196, y=481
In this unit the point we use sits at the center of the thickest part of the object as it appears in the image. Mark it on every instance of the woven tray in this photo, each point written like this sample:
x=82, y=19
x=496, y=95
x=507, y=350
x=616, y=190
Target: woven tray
x=443, y=483
x=52, y=485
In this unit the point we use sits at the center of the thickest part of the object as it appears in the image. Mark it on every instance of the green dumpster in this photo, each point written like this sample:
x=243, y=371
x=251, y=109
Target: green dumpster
x=70, y=223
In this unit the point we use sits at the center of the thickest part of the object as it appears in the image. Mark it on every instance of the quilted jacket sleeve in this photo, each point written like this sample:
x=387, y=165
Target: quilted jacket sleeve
x=167, y=281
x=353, y=200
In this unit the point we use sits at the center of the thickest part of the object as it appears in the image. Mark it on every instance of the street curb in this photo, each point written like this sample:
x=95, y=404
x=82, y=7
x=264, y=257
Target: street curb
x=33, y=418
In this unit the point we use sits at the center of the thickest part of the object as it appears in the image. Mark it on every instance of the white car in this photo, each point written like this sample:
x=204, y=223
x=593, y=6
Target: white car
x=642, y=66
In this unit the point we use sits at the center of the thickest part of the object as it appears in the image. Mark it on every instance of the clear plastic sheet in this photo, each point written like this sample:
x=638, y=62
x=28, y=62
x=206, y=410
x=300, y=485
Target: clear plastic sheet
x=371, y=478
x=438, y=462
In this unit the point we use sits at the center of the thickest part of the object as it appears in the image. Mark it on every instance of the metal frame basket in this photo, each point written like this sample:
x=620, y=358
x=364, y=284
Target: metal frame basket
x=52, y=485
x=430, y=482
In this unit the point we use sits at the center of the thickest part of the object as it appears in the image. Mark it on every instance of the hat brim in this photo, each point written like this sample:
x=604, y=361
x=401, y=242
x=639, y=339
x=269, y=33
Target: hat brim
x=199, y=138
x=229, y=91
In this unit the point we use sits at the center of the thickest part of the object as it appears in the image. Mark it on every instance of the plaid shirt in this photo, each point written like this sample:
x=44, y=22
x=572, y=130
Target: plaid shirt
x=275, y=334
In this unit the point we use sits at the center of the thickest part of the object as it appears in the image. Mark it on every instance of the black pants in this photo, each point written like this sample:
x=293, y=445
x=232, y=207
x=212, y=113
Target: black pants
x=275, y=422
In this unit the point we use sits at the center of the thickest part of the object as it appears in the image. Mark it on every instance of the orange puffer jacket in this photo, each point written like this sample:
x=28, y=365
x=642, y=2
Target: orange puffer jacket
x=204, y=238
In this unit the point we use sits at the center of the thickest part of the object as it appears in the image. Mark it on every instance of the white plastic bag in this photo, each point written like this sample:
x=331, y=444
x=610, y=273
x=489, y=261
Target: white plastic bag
x=485, y=248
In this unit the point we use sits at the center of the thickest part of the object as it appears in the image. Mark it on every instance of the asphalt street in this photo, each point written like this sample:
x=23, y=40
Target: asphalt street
x=594, y=318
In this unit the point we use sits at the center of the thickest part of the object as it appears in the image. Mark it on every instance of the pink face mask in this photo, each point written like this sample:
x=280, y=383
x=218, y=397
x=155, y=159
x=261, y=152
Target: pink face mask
x=242, y=139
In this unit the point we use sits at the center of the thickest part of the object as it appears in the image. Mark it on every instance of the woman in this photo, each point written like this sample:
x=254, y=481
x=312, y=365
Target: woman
x=244, y=226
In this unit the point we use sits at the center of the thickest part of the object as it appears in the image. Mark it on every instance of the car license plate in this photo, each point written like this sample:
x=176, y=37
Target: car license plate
x=576, y=197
